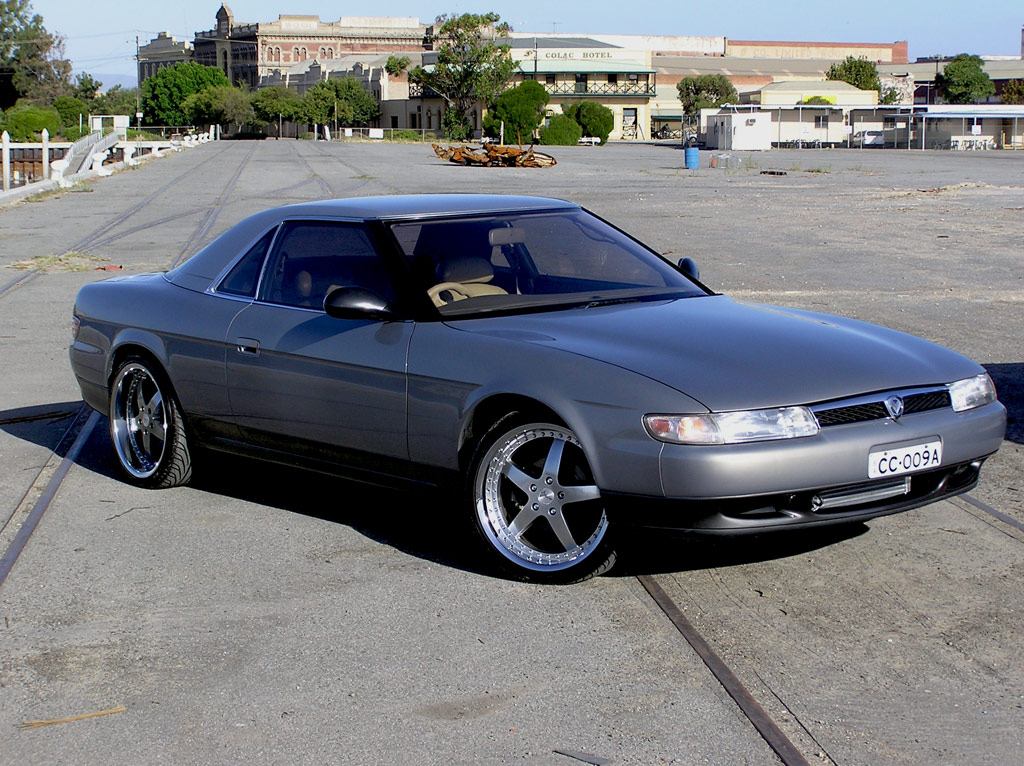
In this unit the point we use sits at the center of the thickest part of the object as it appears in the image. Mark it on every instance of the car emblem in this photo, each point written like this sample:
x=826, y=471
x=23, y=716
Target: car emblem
x=894, y=404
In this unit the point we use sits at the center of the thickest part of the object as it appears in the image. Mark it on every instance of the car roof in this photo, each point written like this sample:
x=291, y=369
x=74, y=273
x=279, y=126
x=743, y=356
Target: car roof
x=198, y=271
x=420, y=205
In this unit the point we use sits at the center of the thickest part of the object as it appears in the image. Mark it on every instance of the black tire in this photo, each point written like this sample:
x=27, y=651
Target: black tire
x=147, y=428
x=535, y=505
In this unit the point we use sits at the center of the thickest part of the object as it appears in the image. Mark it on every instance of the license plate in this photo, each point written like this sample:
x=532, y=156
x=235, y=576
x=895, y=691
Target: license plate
x=894, y=462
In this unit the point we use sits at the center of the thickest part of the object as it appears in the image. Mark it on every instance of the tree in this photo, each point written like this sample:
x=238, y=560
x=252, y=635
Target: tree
x=117, y=100
x=343, y=99
x=275, y=104
x=164, y=92
x=86, y=87
x=963, y=81
x=32, y=63
x=593, y=119
x=817, y=101
x=705, y=91
x=471, y=66
x=1013, y=92
x=520, y=108
x=396, y=65
x=858, y=72
x=220, y=104
x=562, y=131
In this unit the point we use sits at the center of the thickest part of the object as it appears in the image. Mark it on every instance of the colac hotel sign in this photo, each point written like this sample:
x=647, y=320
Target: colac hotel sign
x=578, y=55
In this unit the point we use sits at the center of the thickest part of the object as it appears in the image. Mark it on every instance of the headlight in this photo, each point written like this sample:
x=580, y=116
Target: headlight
x=972, y=392
x=733, y=427
x=76, y=325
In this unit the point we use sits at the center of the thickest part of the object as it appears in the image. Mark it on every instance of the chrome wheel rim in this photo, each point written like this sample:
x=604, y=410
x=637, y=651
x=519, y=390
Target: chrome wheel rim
x=138, y=421
x=536, y=498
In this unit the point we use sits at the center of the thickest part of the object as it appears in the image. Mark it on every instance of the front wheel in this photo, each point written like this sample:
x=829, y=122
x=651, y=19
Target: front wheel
x=536, y=504
x=147, y=428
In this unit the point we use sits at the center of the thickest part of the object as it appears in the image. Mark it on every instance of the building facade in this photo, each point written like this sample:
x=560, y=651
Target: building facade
x=251, y=54
x=162, y=51
x=880, y=53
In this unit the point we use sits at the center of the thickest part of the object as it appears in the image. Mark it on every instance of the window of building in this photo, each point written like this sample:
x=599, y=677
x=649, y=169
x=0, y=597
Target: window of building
x=581, y=83
x=613, y=79
x=821, y=121
x=634, y=79
x=549, y=79
x=889, y=123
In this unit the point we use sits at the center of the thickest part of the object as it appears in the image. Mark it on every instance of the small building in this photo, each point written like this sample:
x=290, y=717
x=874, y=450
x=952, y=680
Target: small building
x=738, y=131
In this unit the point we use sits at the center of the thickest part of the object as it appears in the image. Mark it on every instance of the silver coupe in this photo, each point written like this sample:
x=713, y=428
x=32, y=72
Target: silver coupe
x=559, y=377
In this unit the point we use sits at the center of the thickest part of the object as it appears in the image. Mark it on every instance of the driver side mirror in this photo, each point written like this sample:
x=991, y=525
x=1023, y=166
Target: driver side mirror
x=689, y=267
x=357, y=303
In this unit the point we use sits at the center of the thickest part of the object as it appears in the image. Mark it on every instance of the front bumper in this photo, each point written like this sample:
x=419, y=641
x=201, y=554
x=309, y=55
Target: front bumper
x=791, y=510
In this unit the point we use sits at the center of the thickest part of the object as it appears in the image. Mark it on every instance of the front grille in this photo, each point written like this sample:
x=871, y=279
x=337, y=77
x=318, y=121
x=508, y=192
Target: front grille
x=934, y=400
x=856, y=413
x=864, y=411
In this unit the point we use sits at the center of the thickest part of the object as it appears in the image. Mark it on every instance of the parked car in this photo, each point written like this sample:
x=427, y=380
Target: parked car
x=869, y=138
x=557, y=376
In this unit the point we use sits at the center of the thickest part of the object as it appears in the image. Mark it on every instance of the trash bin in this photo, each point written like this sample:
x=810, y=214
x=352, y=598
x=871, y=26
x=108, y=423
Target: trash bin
x=692, y=158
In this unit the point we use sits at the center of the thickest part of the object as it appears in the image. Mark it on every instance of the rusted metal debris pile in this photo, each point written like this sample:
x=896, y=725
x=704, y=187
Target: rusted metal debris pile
x=490, y=155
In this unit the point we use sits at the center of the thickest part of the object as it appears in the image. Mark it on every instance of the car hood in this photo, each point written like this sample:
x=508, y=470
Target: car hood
x=731, y=355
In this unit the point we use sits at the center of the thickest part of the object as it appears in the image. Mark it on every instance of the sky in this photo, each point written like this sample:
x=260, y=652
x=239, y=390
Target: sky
x=100, y=34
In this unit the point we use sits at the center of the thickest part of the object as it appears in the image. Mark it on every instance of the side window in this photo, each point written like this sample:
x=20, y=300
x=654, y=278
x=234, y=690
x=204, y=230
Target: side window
x=311, y=258
x=244, y=275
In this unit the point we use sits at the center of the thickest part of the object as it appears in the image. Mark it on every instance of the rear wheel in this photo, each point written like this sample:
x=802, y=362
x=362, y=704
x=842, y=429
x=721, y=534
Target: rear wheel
x=147, y=428
x=536, y=504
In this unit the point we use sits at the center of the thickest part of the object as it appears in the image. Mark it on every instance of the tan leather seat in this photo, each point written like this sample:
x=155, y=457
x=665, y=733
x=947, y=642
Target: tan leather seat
x=461, y=278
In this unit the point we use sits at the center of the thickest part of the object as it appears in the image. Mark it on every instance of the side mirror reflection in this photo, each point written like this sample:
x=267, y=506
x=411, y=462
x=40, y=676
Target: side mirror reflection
x=356, y=303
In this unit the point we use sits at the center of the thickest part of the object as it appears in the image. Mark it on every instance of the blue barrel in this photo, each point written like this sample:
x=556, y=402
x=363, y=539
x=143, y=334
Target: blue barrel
x=692, y=158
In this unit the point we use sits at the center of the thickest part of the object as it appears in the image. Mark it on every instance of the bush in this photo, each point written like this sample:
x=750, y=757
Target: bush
x=73, y=133
x=593, y=119
x=403, y=135
x=521, y=109
x=563, y=131
x=25, y=122
x=72, y=111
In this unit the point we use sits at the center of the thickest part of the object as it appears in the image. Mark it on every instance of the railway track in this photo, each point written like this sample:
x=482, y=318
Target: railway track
x=22, y=521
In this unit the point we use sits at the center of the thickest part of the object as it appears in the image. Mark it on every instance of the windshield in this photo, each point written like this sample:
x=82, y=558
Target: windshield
x=534, y=261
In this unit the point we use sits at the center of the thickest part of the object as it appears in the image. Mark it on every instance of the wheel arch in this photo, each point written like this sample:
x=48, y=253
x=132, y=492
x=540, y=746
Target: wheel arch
x=489, y=410
x=132, y=342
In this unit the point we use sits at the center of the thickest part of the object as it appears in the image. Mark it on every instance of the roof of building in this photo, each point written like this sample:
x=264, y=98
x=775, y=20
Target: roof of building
x=692, y=66
x=554, y=42
x=924, y=71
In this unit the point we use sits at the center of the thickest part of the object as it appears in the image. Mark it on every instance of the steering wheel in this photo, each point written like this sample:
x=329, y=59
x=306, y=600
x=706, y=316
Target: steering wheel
x=455, y=288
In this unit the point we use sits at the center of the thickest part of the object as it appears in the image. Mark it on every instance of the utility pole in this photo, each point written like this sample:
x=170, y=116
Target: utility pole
x=138, y=90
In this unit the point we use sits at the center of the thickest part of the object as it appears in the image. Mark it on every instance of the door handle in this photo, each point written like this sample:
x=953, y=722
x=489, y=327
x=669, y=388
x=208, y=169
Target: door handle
x=248, y=346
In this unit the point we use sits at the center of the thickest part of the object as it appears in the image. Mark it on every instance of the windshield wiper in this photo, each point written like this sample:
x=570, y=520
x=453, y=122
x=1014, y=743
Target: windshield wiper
x=627, y=299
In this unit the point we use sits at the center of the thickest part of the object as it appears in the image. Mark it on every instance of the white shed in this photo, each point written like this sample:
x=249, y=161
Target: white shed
x=740, y=131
